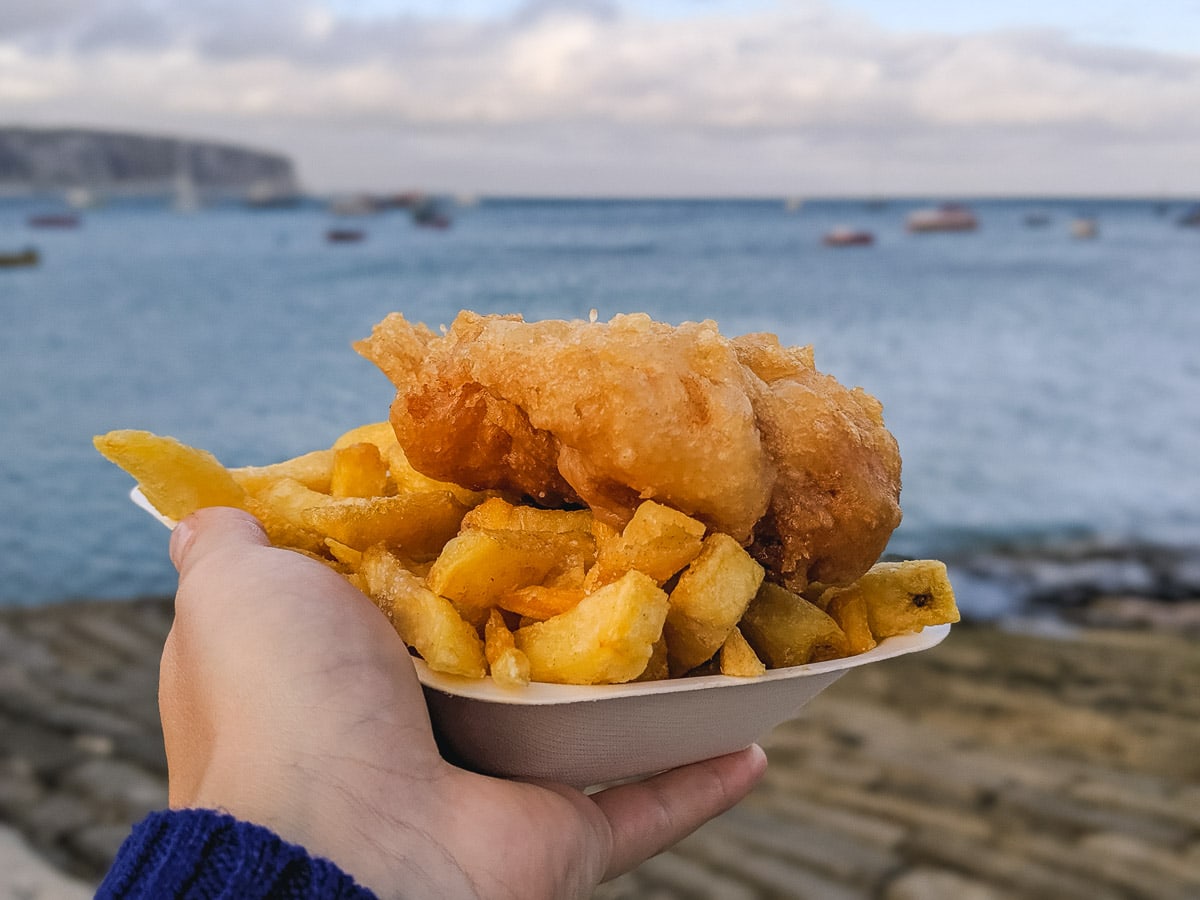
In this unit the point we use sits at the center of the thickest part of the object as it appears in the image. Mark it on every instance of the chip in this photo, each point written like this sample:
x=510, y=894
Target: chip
x=176, y=479
x=480, y=566
x=786, y=630
x=738, y=659
x=423, y=620
x=658, y=541
x=507, y=665
x=607, y=638
x=900, y=597
x=708, y=601
x=358, y=471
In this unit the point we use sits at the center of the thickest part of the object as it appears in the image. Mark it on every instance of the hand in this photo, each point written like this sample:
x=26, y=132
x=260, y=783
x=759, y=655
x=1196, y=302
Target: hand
x=288, y=700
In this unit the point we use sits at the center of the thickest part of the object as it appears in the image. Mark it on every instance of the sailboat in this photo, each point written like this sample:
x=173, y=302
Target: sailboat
x=185, y=198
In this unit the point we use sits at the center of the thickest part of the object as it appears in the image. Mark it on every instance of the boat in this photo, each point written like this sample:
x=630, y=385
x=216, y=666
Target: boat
x=1084, y=228
x=53, y=220
x=27, y=257
x=430, y=213
x=344, y=235
x=82, y=198
x=843, y=236
x=354, y=205
x=946, y=217
x=1191, y=218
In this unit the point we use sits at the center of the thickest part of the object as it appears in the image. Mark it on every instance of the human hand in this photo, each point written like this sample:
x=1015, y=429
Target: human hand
x=287, y=700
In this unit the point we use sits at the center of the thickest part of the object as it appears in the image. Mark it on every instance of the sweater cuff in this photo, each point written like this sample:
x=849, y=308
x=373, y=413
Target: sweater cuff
x=202, y=853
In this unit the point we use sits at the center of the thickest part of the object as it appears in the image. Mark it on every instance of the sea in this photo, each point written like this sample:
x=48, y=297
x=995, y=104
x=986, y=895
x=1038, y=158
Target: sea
x=1043, y=388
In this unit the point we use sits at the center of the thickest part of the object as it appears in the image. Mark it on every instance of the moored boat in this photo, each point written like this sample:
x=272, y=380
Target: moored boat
x=344, y=235
x=843, y=236
x=1084, y=228
x=946, y=217
x=53, y=220
x=27, y=257
x=431, y=213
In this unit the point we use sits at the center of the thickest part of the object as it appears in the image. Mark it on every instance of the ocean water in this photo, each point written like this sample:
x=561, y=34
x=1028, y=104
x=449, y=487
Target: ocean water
x=1041, y=387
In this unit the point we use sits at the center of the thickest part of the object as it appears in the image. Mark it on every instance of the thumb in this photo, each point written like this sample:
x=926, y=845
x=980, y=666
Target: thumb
x=649, y=816
x=214, y=529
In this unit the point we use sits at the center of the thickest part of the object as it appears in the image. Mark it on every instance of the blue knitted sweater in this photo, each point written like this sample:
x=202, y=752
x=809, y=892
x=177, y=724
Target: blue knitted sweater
x=198, y=854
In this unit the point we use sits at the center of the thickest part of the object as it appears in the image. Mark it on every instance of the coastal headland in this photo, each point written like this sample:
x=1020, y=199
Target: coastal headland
x=113, y=163
x=1000, y=764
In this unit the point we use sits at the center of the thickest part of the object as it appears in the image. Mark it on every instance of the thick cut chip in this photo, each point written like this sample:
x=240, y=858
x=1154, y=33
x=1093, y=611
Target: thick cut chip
x=540, y=601
x=478, y=567
x=657, y=669
x=419, y=524
x=313, y=470
x=175, y=478
x=711, y=596
x=786, y=630
x=426, y=622
x=496, y=513
x=738, y=659
x=402, y=473
x=281, y=506
x=901, y=597
x=380, y=434
x=658, y=541
x=849, y=610
x=347, y=556
x=359, y=470
x=608, y=638
x=509, y=667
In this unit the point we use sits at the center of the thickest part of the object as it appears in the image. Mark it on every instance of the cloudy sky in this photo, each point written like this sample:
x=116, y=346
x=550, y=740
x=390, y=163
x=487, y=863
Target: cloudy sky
x=666, y=97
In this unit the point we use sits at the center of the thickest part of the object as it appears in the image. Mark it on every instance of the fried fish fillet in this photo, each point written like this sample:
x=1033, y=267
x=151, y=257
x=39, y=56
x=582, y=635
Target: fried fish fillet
x=743, y=434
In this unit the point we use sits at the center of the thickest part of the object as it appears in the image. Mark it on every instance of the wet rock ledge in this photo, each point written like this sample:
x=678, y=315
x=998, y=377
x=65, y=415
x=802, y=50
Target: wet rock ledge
x=997, y=765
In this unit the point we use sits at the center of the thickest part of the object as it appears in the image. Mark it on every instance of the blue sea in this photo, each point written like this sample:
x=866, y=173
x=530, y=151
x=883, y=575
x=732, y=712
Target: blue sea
x=1041, y=387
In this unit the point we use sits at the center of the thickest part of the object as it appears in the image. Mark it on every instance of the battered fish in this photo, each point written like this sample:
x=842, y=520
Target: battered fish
x=743, y=434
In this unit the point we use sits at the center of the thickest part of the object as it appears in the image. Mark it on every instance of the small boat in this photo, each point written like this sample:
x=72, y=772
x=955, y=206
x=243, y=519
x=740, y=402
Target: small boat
x=1084, y=228
x=1191, y=218
x=353, y=205
x=54, y=220
x=344, y=235
x=82, y=198
x=430, y=214
x=843, y=236
x=27, y=257
x=947, y=217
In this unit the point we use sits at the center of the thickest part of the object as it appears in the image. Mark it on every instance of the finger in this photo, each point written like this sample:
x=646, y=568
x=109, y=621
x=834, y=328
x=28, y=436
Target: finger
x=649, y=816
x=213, y=529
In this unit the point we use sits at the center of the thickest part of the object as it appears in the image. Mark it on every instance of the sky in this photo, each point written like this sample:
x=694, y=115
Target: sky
x=659, y=98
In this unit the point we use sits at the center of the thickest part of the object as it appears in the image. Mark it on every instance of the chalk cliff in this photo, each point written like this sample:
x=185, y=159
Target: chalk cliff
x=116, y=162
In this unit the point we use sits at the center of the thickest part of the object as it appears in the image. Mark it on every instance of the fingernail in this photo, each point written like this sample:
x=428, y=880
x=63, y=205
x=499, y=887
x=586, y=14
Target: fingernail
x=181, y=540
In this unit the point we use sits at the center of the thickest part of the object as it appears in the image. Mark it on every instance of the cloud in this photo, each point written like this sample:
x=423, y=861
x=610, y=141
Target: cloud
x=801, y=75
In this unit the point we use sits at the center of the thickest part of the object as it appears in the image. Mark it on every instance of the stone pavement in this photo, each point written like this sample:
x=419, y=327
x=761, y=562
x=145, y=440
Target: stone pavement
x=997, y=765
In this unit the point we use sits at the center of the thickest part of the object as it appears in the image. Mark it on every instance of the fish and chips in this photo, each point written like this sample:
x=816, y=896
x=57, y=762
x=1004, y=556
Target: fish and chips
x=591, y=502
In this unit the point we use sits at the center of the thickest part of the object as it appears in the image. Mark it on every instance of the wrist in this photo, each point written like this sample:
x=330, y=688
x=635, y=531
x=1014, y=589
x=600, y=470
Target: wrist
x=381, y=844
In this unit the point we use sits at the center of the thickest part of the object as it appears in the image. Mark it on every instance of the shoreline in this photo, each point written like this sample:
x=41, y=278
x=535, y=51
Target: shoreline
x=1001, y=763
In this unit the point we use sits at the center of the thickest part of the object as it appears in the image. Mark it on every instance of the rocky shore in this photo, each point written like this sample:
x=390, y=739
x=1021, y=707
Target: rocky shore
x=1000, y=764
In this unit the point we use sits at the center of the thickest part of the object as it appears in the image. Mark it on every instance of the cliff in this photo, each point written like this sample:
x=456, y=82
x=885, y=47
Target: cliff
x=51, y=159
